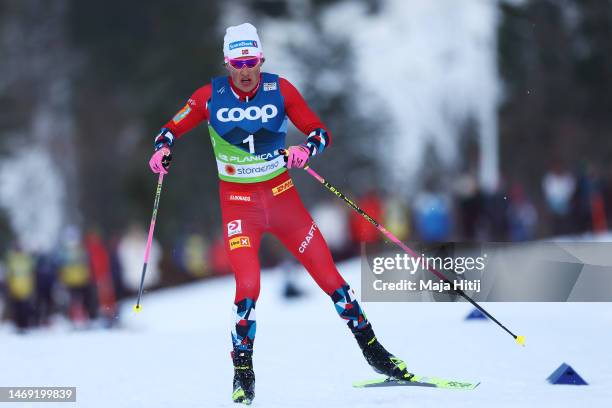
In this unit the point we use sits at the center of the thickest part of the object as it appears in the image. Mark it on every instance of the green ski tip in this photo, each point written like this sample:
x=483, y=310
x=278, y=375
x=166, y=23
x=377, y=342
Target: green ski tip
x=418, y=381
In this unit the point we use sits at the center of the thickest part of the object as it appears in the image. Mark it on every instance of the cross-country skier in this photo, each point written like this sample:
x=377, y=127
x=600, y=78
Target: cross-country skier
x=247, y=113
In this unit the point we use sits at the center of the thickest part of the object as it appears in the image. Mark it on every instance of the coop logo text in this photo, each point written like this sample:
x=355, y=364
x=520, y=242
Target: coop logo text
x=265, y=113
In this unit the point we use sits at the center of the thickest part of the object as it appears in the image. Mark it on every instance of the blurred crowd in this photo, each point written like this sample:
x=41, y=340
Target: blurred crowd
x=84, y=278
x=568, y=202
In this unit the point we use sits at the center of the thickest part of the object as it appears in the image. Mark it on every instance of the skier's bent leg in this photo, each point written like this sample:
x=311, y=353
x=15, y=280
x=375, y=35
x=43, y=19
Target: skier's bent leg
x=302, y=237
x=310, y=249
x=375, y=354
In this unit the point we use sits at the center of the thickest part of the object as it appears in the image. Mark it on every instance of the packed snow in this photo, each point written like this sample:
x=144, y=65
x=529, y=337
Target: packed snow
x=175, y=353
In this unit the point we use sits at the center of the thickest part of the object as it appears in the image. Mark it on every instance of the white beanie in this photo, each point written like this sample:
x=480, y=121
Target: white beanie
x=241, y=41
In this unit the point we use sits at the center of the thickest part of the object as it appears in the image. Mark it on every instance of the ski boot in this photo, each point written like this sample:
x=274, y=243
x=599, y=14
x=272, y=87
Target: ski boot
x=378, y=357
x=244, y=377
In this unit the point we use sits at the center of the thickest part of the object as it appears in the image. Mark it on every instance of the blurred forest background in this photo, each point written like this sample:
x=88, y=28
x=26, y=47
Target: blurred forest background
x=85, y=86
x=479, y=120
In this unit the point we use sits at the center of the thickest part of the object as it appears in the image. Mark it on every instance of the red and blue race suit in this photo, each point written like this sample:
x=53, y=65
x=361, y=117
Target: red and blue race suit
x=257, y=194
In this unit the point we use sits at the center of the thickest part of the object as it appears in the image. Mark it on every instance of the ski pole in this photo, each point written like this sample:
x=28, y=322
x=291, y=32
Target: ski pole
x=160, y=180
x=519, y=339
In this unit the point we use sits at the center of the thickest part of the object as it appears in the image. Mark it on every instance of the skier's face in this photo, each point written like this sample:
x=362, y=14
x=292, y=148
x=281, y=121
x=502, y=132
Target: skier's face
x=245, y=78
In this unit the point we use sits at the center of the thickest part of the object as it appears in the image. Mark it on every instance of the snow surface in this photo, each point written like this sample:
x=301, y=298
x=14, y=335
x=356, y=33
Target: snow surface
x=176, y=352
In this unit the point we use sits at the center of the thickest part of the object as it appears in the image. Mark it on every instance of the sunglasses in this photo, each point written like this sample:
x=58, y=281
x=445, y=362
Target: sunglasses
x=247, y=62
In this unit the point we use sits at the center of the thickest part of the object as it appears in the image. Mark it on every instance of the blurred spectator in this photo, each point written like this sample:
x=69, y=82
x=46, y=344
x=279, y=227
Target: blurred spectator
x=46, y=277
x=495, y=217
x=191, y=255
x=2, y=291
x=559, y=186
x=332, y=219
x=397, y=218
x=99, y=263
x=606, y=192
x=522, y=215
x=20, y=278
x=219, y=261
x=272, y=253
x=131, y=251
x=291, y=290
x=588, y=209
x=432, y=215
x=115, y=266
x=469, y=204
x=361, y=229
x=75, y=274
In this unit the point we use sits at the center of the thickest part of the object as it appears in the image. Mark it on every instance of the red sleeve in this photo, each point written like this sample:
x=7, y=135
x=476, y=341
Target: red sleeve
x=298, y=110
x=192, y=114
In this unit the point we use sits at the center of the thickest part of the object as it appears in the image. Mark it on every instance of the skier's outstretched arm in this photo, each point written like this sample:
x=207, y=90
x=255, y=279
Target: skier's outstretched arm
x=192, y=114
x=307, y=122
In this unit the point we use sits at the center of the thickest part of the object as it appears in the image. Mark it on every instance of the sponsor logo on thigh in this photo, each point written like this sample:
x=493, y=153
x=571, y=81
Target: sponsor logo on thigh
x=239, y=242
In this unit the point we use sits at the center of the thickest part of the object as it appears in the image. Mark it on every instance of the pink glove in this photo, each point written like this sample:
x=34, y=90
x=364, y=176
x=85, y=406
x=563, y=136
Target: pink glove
x=160, y=161
x=297, y=156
